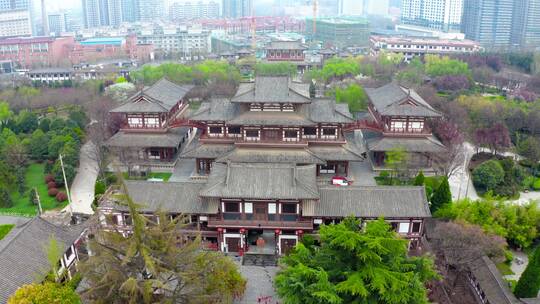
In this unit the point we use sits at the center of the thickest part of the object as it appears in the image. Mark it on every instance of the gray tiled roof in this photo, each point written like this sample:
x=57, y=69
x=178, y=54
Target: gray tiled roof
x=159, y=98
x=171, y=139
x=271, y=119
x=174, y=197
x=217, y=109
x=272, y=89
x=409, y=144
x=24, y=259
x=395, y=100
x=271, y=155
x=285, y=45
x=337, y=153
x=395, y=202
x=491, y=282
x=262, y=181
x=328, y=111
x=207, y=150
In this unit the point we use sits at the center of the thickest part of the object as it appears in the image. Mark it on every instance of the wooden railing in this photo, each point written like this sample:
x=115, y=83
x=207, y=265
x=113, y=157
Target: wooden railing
x=301, y=224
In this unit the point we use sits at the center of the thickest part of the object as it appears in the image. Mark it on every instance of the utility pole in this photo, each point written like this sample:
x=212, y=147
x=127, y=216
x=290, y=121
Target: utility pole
x=38, y=201
x=67, y=187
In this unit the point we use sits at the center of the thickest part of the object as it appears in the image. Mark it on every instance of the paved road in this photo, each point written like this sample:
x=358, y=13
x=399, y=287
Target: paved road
x=82, y=189
x=518, y=269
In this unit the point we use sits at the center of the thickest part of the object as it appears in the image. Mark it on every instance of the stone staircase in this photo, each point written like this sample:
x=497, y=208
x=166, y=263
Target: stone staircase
x=259, y=259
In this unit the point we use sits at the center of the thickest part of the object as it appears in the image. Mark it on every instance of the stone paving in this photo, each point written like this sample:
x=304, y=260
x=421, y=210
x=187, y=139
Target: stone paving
x=82, y=188
x=260, y=288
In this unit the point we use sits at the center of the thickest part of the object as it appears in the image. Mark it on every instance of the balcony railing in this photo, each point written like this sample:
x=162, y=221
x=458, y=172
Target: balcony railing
x=299, y=224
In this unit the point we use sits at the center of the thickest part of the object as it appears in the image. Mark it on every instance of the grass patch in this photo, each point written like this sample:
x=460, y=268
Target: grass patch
x=5, y=229
x=35, y=178
x=504, y=268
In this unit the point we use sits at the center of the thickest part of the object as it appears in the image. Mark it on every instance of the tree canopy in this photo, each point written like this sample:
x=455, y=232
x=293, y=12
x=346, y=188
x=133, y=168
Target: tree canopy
x=157, y=264
x=354, y=265
x=517, y=223
x=275, y=69
x=47, y=293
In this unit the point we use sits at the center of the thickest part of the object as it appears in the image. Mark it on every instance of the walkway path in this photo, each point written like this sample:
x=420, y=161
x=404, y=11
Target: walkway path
x=82, y=188
x=518, y=268
x=260, y=288
x=461, y=184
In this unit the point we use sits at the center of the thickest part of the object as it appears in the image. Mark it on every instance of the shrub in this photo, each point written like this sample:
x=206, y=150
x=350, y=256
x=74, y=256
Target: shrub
x=529, y=282
x=100, y=187
x=51, y=184
x=33, y=196
x=110, y=179
x=488, y=175
x=49, y=166
x=49, y=178
x=441, y=196
x=5, y=198
x=52, y=192
x=536, y=184
x=61, y=197
x=419, y=179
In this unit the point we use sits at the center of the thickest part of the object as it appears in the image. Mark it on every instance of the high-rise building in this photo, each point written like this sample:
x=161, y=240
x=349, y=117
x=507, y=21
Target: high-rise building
x=102, y=13
x=91, y=13
x=150, y=10
x=442, y=15
x=188, y=10
x=237, y=8
x=57, y=23
x=489, y=22
x=526, y=24
x=14, y=23
x=130, y=9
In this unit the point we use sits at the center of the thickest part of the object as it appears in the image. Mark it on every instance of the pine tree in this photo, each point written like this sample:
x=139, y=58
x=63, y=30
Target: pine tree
x=312, y=90
x=5, y=199
x=151, y=266
x=354, y=265
x=442, y=195
x=529, y=282
x=419, y=179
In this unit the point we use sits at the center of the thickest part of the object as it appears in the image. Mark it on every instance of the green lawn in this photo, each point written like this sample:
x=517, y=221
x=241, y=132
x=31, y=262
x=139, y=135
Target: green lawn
x=35, y=177
x=5, y=229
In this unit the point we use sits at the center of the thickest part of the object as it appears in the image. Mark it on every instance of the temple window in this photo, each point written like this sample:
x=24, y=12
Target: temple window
x=288, y=107
x=252, y=135
x=215, y=131
x=290, y=135
x=231, y=211
x=154, y=154
x=135, y=122
x=255, y=107
x=416, y=126
x=416, y=227
x=271, y=107
x=397, y=125
x=289, y=212
x=310, y=132
x=328, y=169
x=151, y=122
x=329, y=133
x=234, y=131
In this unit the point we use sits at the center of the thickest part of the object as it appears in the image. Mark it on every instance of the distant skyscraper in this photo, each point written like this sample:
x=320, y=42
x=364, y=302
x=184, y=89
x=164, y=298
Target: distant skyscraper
x=526, y=23
x=488, y=22
x=150, y=10
x=130, y=10
x=102, y=13
x=91, y=13
x=442, y=15
x=188, y=10
x=56, y=23
x=237, y=8
x=15, y=23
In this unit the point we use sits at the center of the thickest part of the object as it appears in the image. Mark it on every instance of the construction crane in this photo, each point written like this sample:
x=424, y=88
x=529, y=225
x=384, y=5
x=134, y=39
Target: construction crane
x=315, y=8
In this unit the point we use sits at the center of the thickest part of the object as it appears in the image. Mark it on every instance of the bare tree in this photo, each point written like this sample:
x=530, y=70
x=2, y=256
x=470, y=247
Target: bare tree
x=459, y=244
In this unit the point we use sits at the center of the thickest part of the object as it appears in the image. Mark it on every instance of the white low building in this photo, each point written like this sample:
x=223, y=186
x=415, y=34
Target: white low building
x=411, y=47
